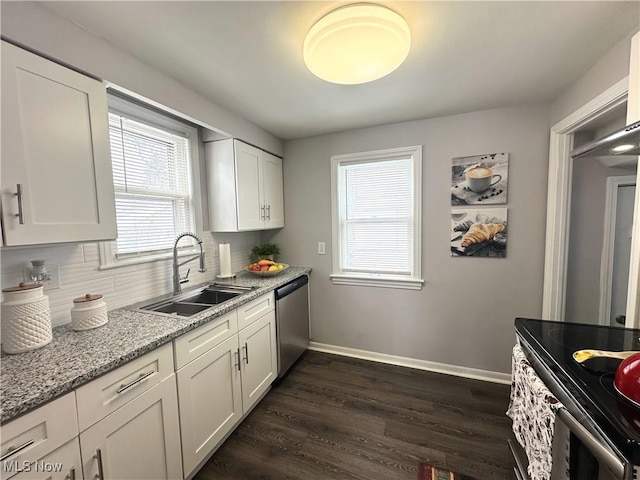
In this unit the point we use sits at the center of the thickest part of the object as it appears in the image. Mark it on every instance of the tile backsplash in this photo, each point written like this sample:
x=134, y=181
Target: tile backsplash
x=75, y=268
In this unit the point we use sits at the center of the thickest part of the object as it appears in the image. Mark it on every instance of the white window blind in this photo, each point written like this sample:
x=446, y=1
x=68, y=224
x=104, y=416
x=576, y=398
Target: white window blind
x=152, y=186
x=376, y=217
x=376, y=211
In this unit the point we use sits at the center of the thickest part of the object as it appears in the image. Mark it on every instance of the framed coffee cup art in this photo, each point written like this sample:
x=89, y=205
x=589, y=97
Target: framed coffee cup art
x=479, y=179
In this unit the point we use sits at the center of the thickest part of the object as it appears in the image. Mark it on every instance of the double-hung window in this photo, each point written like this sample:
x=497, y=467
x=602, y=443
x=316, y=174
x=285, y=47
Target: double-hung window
x=151, y=156
x=376, y=202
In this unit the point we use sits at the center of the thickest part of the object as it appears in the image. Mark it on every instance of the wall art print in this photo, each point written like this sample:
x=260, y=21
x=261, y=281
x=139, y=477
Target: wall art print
x=480, y=179
x=479, y=232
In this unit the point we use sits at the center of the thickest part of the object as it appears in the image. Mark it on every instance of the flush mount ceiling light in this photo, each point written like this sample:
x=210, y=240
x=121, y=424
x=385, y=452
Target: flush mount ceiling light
x=357, y=44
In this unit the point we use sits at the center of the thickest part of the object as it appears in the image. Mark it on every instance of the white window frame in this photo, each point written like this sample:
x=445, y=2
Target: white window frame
x=135, y=111
x=339, y=277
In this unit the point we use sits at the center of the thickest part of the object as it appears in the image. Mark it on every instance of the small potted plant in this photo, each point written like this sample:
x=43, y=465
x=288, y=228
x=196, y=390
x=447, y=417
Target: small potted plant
x=268, y=251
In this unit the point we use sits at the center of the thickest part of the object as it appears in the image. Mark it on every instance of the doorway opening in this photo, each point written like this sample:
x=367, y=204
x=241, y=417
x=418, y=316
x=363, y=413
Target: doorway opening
x=559, y=208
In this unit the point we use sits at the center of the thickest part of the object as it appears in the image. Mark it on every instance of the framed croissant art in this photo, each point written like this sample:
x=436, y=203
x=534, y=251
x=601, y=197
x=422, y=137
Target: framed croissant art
x=479, y=232
x=480, y=179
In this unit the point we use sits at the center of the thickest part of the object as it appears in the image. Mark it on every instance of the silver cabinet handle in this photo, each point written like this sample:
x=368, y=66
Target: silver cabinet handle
x=98, y=456
x=246, y=353
x=15, y=450
x=20, y=213
x=263, y=215
x=72, y=474
x=238, y=354
x=268, y=212
x=142, y=377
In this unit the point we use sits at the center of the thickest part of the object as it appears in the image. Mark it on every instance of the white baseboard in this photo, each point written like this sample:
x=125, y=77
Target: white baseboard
x=466, y=372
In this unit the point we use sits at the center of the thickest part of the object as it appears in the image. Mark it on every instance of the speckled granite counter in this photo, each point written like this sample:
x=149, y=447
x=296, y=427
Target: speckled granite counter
x=30, y=379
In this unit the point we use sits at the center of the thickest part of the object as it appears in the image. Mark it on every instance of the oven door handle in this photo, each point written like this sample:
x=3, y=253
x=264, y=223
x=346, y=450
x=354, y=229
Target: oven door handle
x=600, y=452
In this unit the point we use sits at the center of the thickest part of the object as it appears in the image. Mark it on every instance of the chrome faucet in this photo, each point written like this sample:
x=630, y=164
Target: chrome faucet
x=177, y=280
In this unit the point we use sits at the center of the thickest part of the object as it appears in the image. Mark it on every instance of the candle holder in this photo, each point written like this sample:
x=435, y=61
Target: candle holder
x=39, y=272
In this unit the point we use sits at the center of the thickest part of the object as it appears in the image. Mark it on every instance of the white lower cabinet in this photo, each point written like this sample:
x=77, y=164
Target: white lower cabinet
x=219, y=387
x=41, y=441
x=259, y=358
x=138, y=441
x=64, y=463
x=210, y=401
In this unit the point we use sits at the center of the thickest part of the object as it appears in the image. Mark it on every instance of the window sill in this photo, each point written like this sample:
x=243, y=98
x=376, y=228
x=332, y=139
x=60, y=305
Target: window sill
x=377, y=281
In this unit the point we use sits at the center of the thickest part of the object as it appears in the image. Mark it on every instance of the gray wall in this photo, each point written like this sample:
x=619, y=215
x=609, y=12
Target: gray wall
x=610, y=69
x=464, y=314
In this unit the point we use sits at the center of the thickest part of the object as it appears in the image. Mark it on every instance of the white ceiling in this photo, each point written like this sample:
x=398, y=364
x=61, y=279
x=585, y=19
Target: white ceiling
x=465, y=56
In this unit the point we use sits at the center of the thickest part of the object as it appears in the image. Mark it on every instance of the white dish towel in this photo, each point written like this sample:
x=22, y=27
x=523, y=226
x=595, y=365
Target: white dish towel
x=533, y=411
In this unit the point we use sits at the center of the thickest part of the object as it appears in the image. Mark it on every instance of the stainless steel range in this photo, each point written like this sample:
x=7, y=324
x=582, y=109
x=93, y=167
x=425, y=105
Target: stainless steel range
x=605, y=428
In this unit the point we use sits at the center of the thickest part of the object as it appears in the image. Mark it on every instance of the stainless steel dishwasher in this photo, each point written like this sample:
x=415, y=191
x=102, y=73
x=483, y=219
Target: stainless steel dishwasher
x=292, y=322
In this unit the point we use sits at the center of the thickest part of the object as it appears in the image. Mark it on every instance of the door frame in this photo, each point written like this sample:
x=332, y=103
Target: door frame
x=559, y=196
x=608, y=242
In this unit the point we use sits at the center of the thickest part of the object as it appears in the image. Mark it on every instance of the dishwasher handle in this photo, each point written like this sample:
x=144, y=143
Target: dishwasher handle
x=291, y=287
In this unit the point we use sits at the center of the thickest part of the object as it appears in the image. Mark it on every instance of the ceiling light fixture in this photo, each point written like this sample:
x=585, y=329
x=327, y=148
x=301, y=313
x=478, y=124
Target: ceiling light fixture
x=357, y=44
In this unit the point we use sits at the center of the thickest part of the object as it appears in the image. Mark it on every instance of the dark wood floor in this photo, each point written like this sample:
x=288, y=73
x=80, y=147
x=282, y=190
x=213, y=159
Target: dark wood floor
x=340, y=418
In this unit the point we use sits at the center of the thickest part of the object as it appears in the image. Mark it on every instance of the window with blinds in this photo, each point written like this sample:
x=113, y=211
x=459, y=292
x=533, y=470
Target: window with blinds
x=151, y=161
x=152, y=186
x=376, y=218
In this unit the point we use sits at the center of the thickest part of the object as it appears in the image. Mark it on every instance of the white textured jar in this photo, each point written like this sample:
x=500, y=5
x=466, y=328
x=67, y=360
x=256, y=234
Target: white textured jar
x=26, y=318
x=88, y=312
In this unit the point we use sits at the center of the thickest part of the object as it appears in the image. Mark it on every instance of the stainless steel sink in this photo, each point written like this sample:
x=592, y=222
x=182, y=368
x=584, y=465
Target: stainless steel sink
x=195, y=301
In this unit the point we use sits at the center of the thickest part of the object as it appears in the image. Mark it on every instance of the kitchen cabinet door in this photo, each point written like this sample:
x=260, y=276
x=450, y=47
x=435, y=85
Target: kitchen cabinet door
x=138, y=441
x=57, y=183
x=210, y=401
x=249, y=179
x=273, y=191
x=259, y=365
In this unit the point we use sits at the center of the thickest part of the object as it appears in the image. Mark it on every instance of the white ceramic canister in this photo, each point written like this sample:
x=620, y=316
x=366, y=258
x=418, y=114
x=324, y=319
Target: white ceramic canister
x=26, y=318
x=88, y=312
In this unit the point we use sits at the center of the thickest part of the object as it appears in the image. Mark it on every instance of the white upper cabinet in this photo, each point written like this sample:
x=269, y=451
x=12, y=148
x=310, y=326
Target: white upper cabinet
x=245, y=187
x=57, y=183
x=633, y=100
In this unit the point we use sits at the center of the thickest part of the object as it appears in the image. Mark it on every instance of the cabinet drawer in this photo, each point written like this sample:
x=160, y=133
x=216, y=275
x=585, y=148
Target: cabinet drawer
x=37, y=433
x=250, y=312
x=64, y=463
x=192, y=344
x=114, y=389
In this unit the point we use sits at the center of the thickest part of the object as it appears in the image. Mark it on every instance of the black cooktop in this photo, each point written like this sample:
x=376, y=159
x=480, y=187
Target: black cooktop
x=590, y=383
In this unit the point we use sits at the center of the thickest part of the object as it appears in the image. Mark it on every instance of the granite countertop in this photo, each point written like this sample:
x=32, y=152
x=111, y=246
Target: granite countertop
x=28, y=380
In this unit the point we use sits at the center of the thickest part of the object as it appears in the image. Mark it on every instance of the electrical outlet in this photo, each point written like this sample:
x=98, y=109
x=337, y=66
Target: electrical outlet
x=321, y=250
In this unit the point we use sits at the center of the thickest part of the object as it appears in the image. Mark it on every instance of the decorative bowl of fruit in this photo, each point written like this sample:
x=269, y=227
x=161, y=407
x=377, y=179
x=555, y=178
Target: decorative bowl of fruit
x=267, y=268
